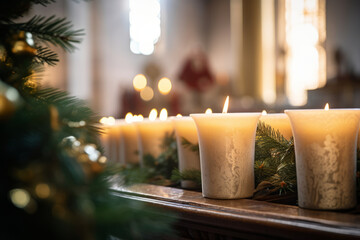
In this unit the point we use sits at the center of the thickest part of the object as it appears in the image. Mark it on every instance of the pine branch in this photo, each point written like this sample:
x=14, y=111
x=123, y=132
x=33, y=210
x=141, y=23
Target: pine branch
x=275, y=170
x=45, y=55
x=56, y=31
x=268, y=138
x=190, y=174
x=187, y=144
x=43, y=2
x=71, y=109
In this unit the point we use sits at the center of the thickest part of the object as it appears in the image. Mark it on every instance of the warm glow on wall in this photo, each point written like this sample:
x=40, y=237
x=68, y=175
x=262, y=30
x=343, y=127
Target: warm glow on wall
x=305, y=58
x=139, y=82
x=164, y=86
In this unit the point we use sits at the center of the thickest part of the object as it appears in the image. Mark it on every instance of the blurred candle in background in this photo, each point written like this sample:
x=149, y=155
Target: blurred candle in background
x=129, y=140
x=278, y=121
x=185, y=130
x=151, y=133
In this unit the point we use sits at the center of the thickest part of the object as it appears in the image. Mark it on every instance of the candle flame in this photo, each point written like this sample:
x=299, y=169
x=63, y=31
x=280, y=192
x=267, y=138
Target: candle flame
x=179, y=115
x=137, y=118
x=129, y=117
x=103, y=120
x=107, y=120
x=264, y=113
x=140, y=118
x=111, y=121
x=153, y=114
x=163, y=114
x=327, y=107
x=208, y=111
x=226, y=105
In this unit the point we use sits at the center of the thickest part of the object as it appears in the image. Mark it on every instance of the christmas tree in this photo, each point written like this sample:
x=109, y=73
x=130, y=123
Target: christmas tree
x=54, y=177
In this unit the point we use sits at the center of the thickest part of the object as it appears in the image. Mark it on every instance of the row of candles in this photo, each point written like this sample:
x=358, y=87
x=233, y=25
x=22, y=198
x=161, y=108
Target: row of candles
x=325, y=149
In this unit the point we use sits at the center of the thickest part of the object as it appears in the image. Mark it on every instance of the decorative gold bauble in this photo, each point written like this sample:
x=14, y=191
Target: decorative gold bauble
x=6, y=107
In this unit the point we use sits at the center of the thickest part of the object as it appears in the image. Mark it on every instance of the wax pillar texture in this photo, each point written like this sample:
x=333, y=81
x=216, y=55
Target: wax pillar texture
x=227, y=143
x=105, y=139
x=325, y=148
x=114, y=141
x=129, y=141
x=278, y=121
x=185, y=128
x=150, y=136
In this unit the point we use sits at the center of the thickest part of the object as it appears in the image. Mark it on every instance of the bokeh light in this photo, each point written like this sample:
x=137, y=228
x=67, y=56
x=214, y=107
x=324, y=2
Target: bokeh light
x=42, y=190
x=20, y=197
x=147, y=93
x=164, y=86
x=139, y=82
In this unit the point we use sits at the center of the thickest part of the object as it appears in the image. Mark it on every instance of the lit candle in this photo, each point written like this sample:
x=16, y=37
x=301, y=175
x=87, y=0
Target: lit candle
x=151, y=133
x=185, y=129
x=111, y=138
x=278, y=121
x=129, y=147
x=325, y=148
x=227, y=144
x=104, y=136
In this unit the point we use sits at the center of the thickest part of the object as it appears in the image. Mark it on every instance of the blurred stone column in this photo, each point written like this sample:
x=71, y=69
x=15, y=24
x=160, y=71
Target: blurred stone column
x=253, y=48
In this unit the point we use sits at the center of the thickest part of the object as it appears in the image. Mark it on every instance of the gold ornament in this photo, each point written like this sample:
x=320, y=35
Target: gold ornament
x=9, y=100
x=22, y=47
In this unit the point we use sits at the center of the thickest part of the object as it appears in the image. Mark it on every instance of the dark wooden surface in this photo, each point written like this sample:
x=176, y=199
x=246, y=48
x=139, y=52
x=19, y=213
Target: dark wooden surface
x=203, y=218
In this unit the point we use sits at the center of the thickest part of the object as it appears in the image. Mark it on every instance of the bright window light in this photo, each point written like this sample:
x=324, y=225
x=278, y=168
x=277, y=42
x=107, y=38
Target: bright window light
x=144, y=18
x=306, y=59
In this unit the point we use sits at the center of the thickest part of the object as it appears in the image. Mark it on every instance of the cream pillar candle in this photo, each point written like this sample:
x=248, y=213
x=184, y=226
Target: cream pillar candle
x=105, y=139
x=151, y=133
x=114, y=141
x=227, y=145
x=129, y=140
x=185, y=128
x=278, y=121
x=325, y=148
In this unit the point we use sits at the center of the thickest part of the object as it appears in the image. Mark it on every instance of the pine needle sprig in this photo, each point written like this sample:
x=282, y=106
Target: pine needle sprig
x=155, y=170
x=43, y=2
x=269, y=138
x=189, y=174
x=45, y=55
x=275, y=170
x=71, y=110
x=187, y=144
x=56, y=31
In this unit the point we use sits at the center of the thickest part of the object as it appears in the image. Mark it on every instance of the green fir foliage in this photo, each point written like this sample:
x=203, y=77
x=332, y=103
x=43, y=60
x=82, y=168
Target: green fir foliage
x=49, y=145
x=155, y=170
x=192, y=147
x=275, y=171
x=189, y=174
x=57, y=31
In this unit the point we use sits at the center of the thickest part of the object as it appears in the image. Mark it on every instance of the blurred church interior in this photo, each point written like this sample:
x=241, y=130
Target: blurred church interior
x=188, y=55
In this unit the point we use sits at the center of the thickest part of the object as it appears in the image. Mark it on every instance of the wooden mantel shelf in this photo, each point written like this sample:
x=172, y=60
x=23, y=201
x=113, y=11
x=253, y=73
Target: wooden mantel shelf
x=203, y=218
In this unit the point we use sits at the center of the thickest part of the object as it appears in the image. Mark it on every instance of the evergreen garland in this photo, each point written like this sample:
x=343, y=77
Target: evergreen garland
x=192, y=147
x=155, y=170
x=189, y=174
x=274, y=167
x=275, y=171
